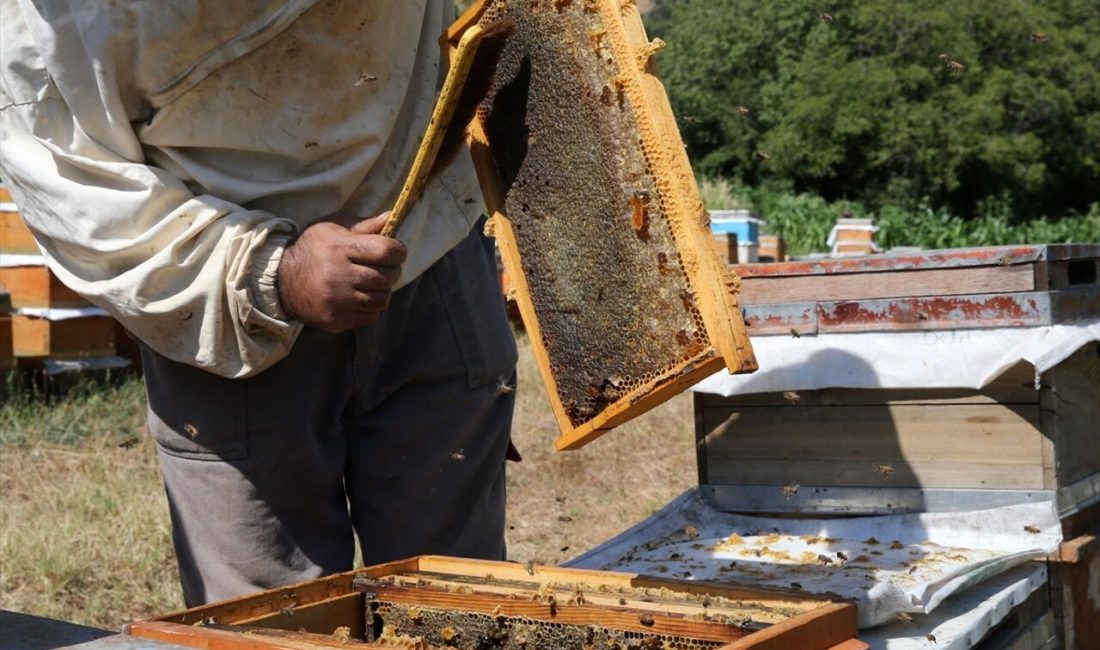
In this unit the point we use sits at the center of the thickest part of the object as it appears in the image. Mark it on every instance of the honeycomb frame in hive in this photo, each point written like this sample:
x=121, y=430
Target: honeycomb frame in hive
x=596, y=213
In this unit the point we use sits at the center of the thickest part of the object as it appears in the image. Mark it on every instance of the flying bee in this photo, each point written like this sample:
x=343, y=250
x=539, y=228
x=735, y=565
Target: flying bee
x=1034, y=530
x=790, y=490
x=791, y=396
x=690, y=119
x=944, y=56
x=742, y=110
x=458, y=455
x=191, y=430
x=1038, y=37
x=842, y=555
x=530, y=567
x=763, y=156
x=955, y=67
x=504, y=387
x=931, y=637
x=826, y=18
x=885, y=470
x=904, y=618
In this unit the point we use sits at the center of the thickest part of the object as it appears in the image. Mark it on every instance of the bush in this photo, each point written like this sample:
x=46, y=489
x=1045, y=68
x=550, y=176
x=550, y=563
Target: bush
x=804, y=220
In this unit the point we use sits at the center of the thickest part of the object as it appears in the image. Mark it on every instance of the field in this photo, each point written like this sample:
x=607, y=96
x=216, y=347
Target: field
x=84, y=533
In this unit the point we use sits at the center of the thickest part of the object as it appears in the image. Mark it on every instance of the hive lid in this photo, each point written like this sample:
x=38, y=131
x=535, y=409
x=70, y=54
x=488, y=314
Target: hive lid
x=599, y=222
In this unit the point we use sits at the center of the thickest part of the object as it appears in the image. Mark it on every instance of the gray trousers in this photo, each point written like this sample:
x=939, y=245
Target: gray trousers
x=397, y=431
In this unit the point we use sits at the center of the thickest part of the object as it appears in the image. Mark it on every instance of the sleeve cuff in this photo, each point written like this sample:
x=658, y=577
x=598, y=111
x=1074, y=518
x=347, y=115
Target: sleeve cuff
x=265, y=268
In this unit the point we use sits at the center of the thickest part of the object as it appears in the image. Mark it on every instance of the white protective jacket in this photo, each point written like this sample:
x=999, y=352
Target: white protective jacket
x=165, y=151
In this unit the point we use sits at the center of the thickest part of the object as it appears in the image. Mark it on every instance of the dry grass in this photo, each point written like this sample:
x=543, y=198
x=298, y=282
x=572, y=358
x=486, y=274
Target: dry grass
x=84, y=532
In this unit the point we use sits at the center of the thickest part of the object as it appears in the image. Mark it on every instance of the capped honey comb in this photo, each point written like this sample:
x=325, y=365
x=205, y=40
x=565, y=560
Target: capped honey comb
x=596, y=212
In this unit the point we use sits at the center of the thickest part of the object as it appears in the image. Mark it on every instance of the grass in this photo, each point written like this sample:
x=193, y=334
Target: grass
x=84, y=533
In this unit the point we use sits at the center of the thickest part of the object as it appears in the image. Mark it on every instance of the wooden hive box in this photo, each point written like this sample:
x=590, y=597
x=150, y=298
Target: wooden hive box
x=881, y=450
x=433, y=601
x=597, y=216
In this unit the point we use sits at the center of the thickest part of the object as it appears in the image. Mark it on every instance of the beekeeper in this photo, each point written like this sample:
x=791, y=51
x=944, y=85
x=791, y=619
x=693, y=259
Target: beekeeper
x=211, y=173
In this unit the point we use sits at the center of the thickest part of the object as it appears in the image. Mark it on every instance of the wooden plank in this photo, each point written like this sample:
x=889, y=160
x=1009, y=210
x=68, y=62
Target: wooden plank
x=1075, y=590
x=951, y=445
x=220, y=638
x=37, y=286
x=824, y=627
x=321, y=617
x=1070, y=401
x=15, y=237
x=86, y=336
x=860, y=286
x=1028, y=255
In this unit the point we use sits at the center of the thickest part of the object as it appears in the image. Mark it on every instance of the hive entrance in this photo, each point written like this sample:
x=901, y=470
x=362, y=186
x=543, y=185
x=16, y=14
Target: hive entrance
x=598, y=217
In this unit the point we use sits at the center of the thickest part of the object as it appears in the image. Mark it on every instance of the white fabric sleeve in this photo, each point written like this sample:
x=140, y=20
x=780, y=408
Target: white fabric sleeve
x=191, y=276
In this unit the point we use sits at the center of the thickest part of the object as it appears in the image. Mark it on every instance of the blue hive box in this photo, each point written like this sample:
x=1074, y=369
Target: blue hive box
x=743, y=223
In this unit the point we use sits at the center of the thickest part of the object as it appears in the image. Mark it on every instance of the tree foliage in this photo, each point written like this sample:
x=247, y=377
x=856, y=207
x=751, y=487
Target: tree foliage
x=955, y=104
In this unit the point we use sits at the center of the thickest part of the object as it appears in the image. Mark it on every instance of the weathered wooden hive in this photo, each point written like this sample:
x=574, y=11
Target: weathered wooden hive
x=596, y=212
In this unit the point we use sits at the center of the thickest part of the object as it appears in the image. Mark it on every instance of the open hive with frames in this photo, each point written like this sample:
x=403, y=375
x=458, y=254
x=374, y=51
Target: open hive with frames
x=440, y=602
x=597, y=216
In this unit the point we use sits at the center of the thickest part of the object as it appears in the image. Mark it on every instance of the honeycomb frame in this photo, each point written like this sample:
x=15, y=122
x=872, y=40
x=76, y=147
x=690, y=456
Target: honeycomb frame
x=719, y=329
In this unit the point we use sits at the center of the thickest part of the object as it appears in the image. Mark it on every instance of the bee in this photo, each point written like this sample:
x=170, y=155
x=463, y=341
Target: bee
x=911, y=570
x=896, y=545
x=792, y=396
x=448, y=634
x=639, y=212
x=622, y=602
x=341, y=634
x=944, y=56
x=691, y=531
x=885, y=470
x=955, y=67
x=530, y=567
x=191, y=430
x=904, y=618
x=565, y=519
x=826, y=18
x=842, y=555
x=1004, y=260
x=129, y=443
x=824, y=559
x=763, y=156
x=690, y=119
x=1034, y=530
x=871, y=541
x=646, y=620
x=559, y=499
x=931, y=637
x=796, y=585
x=364, y=78
x=1038, y=37
x=504, y=387
x=563, y=549
x=795, y=334
x=311, y=144
x=458, y=455
x=790, y=490
x=742, y=110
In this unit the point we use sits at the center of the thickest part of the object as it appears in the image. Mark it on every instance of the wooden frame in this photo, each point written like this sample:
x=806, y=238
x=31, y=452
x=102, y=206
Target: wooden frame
x=714, y=286
x=332, y=611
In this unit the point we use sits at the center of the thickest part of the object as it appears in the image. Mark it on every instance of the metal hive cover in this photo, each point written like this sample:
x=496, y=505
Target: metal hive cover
x=597, y=216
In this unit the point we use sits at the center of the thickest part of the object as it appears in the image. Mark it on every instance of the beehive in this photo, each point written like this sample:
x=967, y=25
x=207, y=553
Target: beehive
x=597, y=216
x=440, y=602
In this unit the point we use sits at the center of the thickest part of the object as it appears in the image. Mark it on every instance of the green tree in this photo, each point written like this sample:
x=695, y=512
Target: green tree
x=892, y=101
